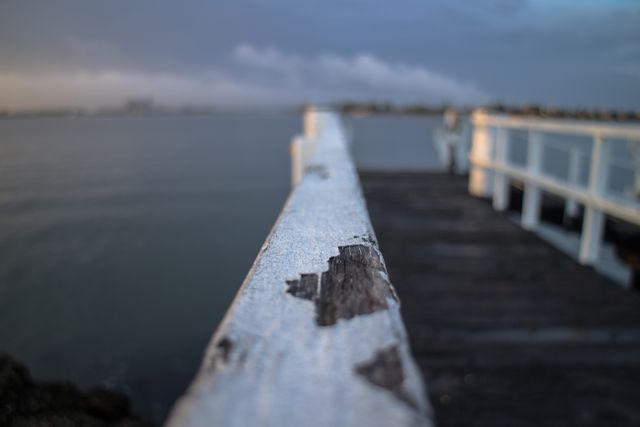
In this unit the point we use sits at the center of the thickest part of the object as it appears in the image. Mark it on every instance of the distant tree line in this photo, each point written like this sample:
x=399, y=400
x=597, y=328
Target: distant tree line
x=388, y=108
x=131, y=107
x=532, y=110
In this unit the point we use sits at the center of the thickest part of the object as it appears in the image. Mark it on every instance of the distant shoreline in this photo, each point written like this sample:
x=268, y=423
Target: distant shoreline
x=124, y=114
x=354, y=109
x=138, y=107
x=347, y=108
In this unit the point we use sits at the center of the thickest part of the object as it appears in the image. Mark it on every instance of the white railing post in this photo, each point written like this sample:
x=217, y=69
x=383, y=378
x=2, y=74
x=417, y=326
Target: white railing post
x=571, y=206
x=532, y=194
x=593, y=226
x=302, y=146
x=462, y=149
x=592, y=230
x=311, y=122
x=300, y=154
x=441, y=138
x=480, y=179
x=635, y=161
x=501, y=188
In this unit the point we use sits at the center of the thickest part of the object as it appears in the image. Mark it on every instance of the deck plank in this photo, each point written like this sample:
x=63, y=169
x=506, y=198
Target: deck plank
x=507, y=330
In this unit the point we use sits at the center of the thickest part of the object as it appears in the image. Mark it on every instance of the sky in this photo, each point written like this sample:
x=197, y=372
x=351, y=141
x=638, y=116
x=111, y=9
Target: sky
x=248, y=53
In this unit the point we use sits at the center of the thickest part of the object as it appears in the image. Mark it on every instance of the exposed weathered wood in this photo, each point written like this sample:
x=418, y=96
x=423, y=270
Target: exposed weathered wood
x=306, y=341
x=355, y=284
x=507, y=330
x=386, y=371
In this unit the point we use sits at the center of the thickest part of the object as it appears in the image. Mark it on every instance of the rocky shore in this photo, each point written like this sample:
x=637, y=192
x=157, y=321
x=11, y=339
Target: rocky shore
x=25, y=402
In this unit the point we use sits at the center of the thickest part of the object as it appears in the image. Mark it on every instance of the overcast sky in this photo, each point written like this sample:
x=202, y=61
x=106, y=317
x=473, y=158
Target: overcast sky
x=571, y=53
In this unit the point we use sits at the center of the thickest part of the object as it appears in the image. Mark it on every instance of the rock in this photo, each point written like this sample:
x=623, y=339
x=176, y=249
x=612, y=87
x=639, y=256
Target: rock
x=25, y=402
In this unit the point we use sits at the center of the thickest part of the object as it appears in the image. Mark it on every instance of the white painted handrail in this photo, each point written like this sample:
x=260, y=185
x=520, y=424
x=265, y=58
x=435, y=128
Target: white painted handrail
x=565, y=126
x=491, y=172
x=314, y=336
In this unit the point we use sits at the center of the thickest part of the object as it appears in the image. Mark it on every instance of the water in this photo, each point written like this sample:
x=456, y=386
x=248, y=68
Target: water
x=394, y=143
x=123, y=241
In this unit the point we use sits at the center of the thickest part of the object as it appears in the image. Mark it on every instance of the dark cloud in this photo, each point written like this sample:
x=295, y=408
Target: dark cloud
x=563, y=52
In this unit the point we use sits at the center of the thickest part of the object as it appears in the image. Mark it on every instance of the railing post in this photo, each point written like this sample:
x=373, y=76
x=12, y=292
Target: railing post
x=635, y=159
x=593, y=226
x=462, y=149
x=501, y=188
x=592, y=230
x=311, y=122
x=441, y=137
x=302, y=146
x=298, y=155
x=571, y=206
x=480, y=179
x=532, y=193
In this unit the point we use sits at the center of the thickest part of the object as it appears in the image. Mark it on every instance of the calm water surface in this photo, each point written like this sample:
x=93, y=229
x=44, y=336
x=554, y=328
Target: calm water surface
x=394, y=142
x=123, y=241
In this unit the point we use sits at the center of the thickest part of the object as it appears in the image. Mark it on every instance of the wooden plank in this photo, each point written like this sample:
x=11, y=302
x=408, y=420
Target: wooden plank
x=507, y=330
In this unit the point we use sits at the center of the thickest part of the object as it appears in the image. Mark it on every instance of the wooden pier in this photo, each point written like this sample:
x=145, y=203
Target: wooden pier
x=506, y=329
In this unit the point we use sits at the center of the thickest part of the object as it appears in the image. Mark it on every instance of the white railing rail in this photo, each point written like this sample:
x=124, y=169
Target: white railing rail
x=314, y=336
x=492, y=170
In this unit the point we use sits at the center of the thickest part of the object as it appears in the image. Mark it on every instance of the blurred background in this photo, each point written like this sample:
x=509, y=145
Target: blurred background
x=144, y=146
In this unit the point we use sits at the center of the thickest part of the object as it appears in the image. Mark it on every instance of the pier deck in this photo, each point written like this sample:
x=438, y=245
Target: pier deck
x=507, y=330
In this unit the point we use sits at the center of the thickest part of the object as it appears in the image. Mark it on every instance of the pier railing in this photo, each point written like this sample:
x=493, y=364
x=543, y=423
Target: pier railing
x=590, y=164
x=314, y=336
x=453, y=142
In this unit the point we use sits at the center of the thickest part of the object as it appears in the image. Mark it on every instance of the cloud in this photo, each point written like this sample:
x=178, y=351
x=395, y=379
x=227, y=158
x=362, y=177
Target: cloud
x=630, y=70
x=516, y=50
x=362, y=75
x=261, y=77
x=627, y=50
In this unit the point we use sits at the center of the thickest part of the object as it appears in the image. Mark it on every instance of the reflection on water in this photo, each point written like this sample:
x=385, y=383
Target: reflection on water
x=123, y=241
